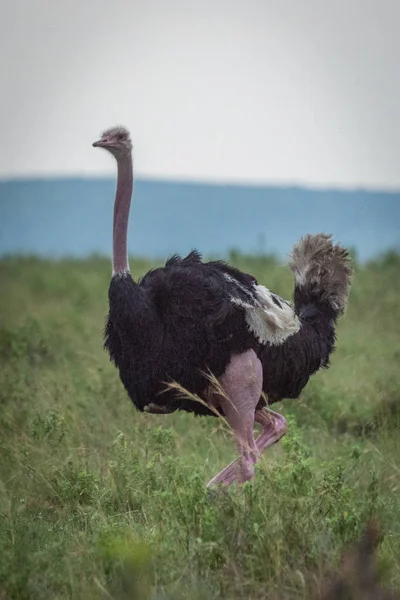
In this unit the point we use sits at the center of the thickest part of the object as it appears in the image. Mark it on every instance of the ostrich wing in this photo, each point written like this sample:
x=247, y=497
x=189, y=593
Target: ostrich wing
x=270, y=318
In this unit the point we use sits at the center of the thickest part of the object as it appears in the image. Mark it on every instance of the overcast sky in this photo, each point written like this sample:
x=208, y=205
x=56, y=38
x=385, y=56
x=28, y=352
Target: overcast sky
x=304, y=91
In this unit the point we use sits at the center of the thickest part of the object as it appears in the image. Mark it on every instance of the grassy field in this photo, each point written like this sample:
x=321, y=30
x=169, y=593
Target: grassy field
x=99, y=501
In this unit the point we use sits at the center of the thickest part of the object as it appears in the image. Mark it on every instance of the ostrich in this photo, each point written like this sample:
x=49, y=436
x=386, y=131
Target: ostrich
x=190, y=318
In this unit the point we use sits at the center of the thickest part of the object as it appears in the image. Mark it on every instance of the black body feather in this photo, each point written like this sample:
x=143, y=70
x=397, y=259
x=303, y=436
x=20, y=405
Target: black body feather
x=175, y=324
x=287, y=368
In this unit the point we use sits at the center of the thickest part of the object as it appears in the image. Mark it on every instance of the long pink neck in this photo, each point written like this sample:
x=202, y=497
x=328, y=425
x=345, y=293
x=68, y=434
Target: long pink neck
x=121, y=214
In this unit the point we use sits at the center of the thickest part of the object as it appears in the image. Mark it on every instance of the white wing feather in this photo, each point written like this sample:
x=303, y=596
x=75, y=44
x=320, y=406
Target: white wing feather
x=268, y=316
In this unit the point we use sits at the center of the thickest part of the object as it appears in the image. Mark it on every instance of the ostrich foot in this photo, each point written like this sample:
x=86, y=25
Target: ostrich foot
x=234, y=471
x=274, y=428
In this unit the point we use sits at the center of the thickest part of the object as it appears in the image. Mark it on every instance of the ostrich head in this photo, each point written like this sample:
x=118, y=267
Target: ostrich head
x=116, y=140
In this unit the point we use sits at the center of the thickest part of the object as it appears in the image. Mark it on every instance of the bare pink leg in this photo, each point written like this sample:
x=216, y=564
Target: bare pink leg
x=242, y=385
x=274, y=427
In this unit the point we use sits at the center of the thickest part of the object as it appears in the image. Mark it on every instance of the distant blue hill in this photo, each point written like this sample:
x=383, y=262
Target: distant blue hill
x=73, y=217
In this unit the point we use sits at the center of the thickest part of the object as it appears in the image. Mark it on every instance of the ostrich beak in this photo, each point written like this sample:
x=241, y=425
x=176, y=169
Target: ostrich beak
x=98, y=144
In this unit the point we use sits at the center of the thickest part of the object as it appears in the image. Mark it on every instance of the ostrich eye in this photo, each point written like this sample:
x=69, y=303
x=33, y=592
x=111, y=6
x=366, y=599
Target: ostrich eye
x=121, y=136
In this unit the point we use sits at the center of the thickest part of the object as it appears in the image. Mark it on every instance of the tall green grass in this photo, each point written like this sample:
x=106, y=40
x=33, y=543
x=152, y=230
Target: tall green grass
x=99, y=501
